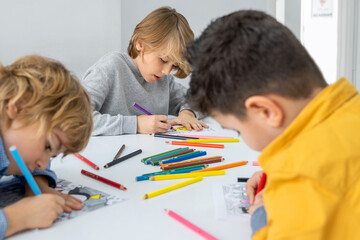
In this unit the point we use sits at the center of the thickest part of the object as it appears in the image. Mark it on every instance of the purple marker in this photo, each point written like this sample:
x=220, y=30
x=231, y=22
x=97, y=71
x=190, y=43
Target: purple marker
x=142, y=109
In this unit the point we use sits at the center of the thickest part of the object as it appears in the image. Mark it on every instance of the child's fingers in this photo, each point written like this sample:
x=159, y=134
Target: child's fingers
x=204, y=124
x=188, y=126
x=161, y=118
x=73, y=203
x=175, y=121
x=251, y=185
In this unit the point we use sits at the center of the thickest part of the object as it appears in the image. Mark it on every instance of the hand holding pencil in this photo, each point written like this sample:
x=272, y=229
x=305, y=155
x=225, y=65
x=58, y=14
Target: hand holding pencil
x=253, y=190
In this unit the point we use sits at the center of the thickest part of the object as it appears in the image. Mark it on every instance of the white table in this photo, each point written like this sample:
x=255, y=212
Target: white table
x=137, y=218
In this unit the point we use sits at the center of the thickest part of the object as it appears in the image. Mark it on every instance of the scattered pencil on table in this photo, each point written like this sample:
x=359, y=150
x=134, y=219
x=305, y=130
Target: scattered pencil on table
x=225, y=166
x=172, y=187
x=187, y=175
x=190, y=225
x=204, y=136
x=102, y=179
x=119, y=160
x=24, y=169
x=119, y=152
x=211, y=140
x=87, y=161
x=196, y=144
x=174, y=171
x=161, y=154
x=161, y=135
x=170, y=155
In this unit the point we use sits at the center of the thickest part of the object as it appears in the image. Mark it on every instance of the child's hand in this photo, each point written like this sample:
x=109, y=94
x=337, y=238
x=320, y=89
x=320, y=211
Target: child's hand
x=71, y=203
x=257, y=203
x=33, y=212
x=152, y=124
x=252, y=184
x=187, y=119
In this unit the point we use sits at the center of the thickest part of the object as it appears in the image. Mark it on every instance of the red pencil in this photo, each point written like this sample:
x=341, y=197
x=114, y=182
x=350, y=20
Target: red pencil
x=261, y=183
x=84, y=159
x=196, y=144
x=104, y=180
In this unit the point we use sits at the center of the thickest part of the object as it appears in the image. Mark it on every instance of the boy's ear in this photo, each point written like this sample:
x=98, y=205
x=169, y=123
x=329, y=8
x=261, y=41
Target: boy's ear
x=13, y=109
x=139, y=45
x=267, y=109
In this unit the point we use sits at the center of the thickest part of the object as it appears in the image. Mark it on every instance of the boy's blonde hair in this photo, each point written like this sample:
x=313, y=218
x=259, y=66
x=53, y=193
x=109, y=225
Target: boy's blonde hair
x=47, y=93
x=164, y=26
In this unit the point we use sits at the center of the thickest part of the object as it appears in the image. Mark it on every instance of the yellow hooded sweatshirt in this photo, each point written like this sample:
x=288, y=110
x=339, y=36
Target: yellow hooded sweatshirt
x=313, y=171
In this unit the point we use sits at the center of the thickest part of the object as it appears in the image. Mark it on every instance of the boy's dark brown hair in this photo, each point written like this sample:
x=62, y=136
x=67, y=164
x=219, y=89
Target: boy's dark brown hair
x=248, y=53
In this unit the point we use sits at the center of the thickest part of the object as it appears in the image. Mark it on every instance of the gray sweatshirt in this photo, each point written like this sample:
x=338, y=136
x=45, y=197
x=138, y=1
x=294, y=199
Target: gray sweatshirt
x=115, y=84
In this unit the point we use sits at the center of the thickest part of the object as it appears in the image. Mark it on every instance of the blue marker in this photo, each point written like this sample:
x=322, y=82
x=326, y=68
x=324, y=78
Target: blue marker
x=28, y=176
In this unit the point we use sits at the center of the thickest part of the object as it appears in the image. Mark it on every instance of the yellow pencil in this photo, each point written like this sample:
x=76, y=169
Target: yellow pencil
x=187, y=175
x=172, y=187
x=210, y=140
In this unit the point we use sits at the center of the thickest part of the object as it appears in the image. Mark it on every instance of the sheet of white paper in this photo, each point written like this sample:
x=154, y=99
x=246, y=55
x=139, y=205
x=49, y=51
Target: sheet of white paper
x=230, y=201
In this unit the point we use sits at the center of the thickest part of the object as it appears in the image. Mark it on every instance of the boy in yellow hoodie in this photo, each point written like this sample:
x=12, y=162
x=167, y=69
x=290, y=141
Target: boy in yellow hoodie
x=252, y=75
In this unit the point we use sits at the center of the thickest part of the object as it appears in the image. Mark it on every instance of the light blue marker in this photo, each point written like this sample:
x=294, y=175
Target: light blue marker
x=28, y=176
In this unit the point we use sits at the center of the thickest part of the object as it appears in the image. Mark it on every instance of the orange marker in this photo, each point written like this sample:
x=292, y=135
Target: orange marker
x=221, y=167
x=196, y=144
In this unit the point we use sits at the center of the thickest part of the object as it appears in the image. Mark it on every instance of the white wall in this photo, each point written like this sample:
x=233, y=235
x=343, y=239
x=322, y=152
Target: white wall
x=357, y=56
x=76, y=32
x=319, y=35
x=199, y=13
x=79, y=32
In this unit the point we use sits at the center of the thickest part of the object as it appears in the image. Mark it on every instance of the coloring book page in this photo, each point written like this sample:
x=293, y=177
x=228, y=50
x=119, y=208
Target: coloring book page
x=230, y=200
x=92, y=199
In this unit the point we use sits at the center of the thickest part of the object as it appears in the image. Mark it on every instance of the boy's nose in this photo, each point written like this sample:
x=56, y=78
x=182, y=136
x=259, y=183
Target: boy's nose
x=167, y=69
x=42, y=163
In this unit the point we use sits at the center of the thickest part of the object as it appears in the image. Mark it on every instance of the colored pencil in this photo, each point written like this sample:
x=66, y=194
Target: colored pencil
x=190, y=225
x=87, y=161
x=187, y=164
x=185, y=157
x=119, y=152
x=190, y=160
x=144, y=110
x=157, y=162
x=102, y=179
x=174, y=171
x=196, y=144
x=170, y=155
x=172, y=187
x=161, y=135
x=210, y=140
x=187, y=175
x=225, y=166
x=119, y=160
x=261, y=183
x=204, y=137
x=160, y=154
x=24, y=169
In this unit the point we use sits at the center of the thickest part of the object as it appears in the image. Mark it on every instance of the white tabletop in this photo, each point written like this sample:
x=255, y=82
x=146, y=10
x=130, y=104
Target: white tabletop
x=137, y=218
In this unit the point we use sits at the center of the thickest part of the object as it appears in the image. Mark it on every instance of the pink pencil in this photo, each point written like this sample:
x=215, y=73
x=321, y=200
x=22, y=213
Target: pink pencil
x=190, y=225
x=204, y=137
